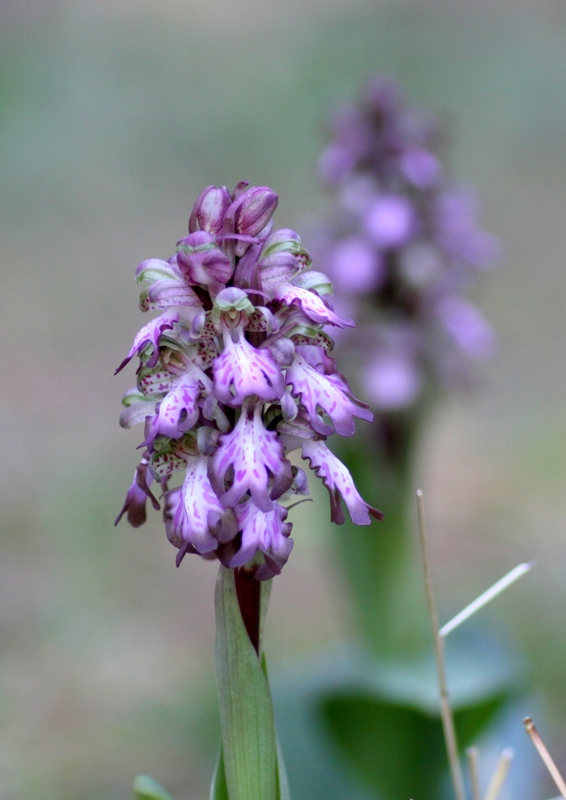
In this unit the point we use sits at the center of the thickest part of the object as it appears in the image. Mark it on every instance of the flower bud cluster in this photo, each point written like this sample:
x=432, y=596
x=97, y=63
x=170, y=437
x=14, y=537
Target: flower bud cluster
x=236, y=372
x=403, y=249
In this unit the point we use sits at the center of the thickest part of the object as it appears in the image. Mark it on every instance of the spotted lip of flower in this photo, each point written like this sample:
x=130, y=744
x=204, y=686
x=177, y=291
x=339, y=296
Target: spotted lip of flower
x=242, y=370
x=256, y=457
x=199, y=511
x=267, y=532
x=179, y=409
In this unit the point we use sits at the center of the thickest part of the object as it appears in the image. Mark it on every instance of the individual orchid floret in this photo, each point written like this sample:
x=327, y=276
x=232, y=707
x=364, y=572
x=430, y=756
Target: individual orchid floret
x=148, y=338
x=339, y=483
x=235, y=372
x=255, y=458
x=199, y=513
x=202, y=262
x=311, y=304
x=179, y=409
x=232, y=306
x=330, y=393
x=166, y=286
x=266, y=531
x=242, y=370
x=137, y=496
x=281, y=259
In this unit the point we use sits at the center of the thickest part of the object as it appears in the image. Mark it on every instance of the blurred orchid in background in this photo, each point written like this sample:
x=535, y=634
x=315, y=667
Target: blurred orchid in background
x=403, y=249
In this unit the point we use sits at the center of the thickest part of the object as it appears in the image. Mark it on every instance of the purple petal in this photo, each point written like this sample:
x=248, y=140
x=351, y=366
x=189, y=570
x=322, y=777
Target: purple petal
x=338, y=481
x=166, y=293
x=356, y=266
x=257, y=459
x=209, y=210
x=277, y=269
x=311, y=305
x=150, y=334
x=243, y=371
x=253, y=210
x=265, y=531
x=197, y=499
x=328, y=392
x=179, y=410
x=211, y=268
x=390, y=221
x=137, y=496
x=392, y=381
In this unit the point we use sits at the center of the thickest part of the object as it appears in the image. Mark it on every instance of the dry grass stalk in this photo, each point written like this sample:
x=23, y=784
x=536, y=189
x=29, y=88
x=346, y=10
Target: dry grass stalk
x=545, y=755
x=445, y=708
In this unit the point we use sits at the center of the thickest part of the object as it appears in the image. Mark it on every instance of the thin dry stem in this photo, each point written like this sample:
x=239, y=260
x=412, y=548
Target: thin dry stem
x=445, y=709
x=545, y=755
x=499, y=775
x=472, y=756
x=486, y=597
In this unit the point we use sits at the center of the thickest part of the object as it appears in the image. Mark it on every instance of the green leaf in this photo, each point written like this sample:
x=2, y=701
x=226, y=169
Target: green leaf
x=145, y=788
x=356, y=727
x=219, y=790
x=246, y=713
x=399, y=750
x=283, y=792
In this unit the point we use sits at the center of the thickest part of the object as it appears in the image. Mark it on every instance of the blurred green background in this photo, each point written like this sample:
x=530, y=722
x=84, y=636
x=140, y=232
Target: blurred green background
x=113, y=116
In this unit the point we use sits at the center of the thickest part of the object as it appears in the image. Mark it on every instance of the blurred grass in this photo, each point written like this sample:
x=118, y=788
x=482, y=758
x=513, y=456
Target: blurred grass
x=112, y=118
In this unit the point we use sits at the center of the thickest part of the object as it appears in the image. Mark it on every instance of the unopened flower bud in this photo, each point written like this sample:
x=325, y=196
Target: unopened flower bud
x=255, y=208
x=209, y=209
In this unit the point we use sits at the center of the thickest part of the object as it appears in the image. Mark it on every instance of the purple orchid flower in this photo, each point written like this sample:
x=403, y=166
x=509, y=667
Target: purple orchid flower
x=235, y=373
x=403, y=249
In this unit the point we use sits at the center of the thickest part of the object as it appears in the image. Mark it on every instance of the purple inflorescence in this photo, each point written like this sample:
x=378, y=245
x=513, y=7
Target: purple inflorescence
x=235, y=372
x=402, y=250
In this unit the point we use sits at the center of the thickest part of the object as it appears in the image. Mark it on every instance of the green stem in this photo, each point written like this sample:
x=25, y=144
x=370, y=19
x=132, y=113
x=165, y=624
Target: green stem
x=249, y=768
x=381, y=561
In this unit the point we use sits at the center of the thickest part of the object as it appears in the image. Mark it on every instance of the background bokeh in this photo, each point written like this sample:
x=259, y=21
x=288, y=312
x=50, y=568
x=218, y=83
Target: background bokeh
x=113, y=116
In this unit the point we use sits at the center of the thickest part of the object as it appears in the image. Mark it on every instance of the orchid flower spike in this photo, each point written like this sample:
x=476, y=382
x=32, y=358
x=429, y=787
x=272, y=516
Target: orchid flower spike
x=234, y=373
